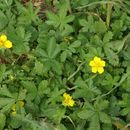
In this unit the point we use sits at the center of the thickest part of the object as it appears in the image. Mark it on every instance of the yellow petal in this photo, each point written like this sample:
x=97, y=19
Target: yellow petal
x=3, y=38
x=94, y=69
x=65, y=95
x=102, y=63
x=92, y=63
x=8, y=44
x=71, y=103
x=100, y=70
x=97, y=59
x=1, y=44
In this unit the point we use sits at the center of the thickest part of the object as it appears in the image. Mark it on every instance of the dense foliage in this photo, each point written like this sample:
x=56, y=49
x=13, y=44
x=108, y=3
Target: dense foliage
x=66, y=65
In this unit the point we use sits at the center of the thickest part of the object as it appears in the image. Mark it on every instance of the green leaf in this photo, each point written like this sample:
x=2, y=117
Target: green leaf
x=111, y=56
x=2, y=121
x=85, y=25
x=63, y=56
x=42, y=88
x=53, y=19
x=38, y=69
x=28, y=13
x=86, y=114
x=95, y=124
x=62, y=127
x=31, y=90
x=107, y=37
x=100, y=27
x=2, y=71
x=101, y=105
x=5, y=92
x=114, y=108
x=107, y=127
x=3, y=20
x=83, y=88
x=52, y=49
x=104, y=117
x=63, y=11
x=56, y=66
x=20, y=39
x=69, y=19
x=75, y=44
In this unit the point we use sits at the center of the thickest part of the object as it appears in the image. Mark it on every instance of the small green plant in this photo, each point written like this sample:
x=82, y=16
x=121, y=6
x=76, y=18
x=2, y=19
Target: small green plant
x=67, y=71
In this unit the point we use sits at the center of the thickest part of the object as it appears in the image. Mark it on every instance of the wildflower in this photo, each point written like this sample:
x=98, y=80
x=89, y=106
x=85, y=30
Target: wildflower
x=97, y=65
x=7, y=44
x=3, y=38
x=4, y=42
x=13, y=108
x=67, y=101
x=13, y=113
x=21, y=103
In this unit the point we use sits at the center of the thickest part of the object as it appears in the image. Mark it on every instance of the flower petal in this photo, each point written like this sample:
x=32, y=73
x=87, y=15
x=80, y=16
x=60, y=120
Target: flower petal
x=92, y=63
x=3, y=38
x=71, y=103
x=100, y=70
x=8, y=44
x=97, y=59
x=94, y=69
x=102, y=63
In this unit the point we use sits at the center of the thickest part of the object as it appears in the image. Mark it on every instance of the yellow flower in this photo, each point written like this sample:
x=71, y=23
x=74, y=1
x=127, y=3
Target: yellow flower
x=7, y=44
x=21, y=103
x=13, y=113
x=3, y=38
x=13, y=107
x=97, y=65
x=4, y=42
x=1, y=44
x=68, y=101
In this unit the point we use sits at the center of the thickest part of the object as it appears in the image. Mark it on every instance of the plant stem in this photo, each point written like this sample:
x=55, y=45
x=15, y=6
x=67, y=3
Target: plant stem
x=126, y=126
x=78, y=69
x=124, y=77
x=95, y=3
x=109, y=11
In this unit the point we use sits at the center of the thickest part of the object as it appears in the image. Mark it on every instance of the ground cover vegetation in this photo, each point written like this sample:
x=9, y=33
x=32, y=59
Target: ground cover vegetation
x=64, y=65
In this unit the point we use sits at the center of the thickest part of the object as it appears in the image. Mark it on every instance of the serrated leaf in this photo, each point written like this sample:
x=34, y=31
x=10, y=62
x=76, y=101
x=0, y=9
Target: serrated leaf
x=3, y=20
x=2, y=71
x=56, y=66
x=95, y=124
x=86, y=114
x=53, y=19
x=104, y=118
x=31, y=89
x=63, y=56
x=5, y=101
x=5, y=92
x=111, y=56
x=107, y=37
x=63, y=11
x=42, y=87
x=53, y=49
x=100, y=27
x=2, y=121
